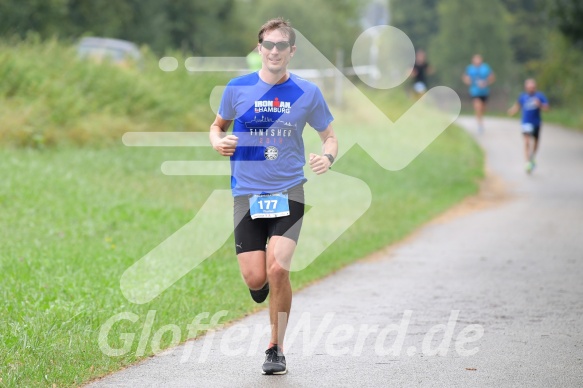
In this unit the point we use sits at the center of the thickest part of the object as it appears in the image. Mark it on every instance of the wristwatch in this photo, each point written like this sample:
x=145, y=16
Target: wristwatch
x=330, y=158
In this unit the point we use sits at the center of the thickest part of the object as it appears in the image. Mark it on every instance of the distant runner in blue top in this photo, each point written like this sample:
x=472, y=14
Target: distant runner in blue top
x=532, y=102
x=269, y=110
x=479, y=76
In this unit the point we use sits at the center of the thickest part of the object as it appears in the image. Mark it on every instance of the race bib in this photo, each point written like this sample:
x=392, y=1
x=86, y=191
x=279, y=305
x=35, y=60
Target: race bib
x=527, y=128
x=269, y=205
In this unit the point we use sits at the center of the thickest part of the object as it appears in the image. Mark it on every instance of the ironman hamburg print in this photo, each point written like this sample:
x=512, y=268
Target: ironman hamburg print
x=274, y=106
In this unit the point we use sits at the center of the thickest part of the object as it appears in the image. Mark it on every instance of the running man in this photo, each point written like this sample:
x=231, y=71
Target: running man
x=421, y=69
x=531, y=102
x=269, y=109
x=479, y=76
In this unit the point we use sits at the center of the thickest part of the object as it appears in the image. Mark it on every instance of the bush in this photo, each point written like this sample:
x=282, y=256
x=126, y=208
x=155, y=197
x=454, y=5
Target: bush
x=48, y=96
x=559, y=76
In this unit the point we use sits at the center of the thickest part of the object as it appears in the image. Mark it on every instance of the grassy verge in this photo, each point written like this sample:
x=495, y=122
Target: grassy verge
x=566, y=117
x=48, y=96
x=74, y=218
x=569, y=118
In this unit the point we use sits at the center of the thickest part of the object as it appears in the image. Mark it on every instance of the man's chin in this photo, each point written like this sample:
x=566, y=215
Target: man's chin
x=275, y=69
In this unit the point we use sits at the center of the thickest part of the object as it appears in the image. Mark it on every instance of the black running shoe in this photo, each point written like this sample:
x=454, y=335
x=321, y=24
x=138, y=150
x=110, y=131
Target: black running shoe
x=274, y=362
x=260, y=295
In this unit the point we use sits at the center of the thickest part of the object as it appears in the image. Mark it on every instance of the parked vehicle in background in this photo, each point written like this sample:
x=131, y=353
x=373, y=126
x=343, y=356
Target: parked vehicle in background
x=119, y=52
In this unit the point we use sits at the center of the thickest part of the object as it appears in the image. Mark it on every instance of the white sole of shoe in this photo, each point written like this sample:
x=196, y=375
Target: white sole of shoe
x=274, y=373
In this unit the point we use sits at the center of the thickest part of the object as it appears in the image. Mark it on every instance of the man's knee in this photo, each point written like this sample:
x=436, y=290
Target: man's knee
x=254, y=281
x=280, y=252
x=276, y=273
x=252, y=266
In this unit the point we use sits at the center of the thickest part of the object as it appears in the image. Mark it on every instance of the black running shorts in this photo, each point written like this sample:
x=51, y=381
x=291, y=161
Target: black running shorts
x=483, y=98
x=252, y=235
x=535, y=132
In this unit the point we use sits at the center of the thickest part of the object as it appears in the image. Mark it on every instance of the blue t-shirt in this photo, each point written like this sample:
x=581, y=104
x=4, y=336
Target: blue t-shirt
x=531, y=112
x=269, y=121
x=477, y=74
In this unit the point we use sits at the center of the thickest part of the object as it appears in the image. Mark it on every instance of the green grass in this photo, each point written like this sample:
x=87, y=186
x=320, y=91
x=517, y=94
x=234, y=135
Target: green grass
x=74, y=218
x=48, y=96
x=567, y=117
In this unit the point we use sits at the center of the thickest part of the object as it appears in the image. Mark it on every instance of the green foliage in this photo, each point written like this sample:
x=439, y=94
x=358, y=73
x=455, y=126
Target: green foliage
x=467, y=28
x=518, y=38
x=45, y=17
x=217, y=28
x=568, y=15
x=339, y=28
x=189, y=25
x=49, y=96
x=206, y=27
x=559, y=75
x=529, y=21
x=417, y=19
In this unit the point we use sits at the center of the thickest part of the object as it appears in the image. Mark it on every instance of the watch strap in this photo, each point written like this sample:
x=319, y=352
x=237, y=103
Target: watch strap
x=330, y=158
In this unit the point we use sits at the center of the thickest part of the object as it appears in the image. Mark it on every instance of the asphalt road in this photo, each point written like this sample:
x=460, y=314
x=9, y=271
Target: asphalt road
x=490, y=294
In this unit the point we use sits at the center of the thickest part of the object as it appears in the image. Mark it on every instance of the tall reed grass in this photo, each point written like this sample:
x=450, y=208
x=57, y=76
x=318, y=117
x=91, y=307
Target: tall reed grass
x=49, y=96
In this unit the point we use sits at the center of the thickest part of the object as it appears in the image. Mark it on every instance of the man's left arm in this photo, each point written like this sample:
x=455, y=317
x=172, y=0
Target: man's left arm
x=321, y=163
x=543, y=103
x=491, y=77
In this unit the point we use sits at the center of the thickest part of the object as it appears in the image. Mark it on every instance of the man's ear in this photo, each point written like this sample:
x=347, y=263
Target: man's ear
x=292, y=50
x=259, y=48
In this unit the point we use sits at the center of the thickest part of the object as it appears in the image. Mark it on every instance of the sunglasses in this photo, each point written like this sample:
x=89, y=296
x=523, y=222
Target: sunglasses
x=279, y=45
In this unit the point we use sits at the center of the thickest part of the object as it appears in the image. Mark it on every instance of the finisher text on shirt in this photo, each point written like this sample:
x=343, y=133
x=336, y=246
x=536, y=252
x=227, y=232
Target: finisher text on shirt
x=270, y=132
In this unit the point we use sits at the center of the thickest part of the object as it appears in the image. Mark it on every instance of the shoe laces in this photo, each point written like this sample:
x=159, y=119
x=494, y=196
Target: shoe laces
x=273, y=354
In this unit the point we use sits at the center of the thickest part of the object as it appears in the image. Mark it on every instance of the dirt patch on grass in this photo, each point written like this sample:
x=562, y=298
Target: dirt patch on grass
x=493, y=192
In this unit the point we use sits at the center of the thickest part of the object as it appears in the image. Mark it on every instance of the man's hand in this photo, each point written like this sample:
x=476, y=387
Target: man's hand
x=513, y=109
x=226, y=145
x=319, y=164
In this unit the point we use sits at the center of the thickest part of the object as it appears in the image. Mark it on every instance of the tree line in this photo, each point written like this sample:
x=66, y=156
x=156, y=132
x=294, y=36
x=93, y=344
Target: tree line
x=200, y=27
x=190, y=25
x=519, y=38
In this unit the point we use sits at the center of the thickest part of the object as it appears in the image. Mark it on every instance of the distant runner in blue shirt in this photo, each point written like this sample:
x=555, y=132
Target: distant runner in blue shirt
x=479, y=76
x=269, y=110
x=531, y=102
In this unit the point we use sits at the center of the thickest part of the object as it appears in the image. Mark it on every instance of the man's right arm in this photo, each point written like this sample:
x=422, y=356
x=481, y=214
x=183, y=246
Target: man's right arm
x=224, y=144
x=466, y=78
x=514, y=109
x=414, y=72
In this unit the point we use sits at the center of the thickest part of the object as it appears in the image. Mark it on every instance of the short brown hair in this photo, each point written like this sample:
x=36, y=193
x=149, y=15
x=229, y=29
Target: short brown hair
x=278, y=24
